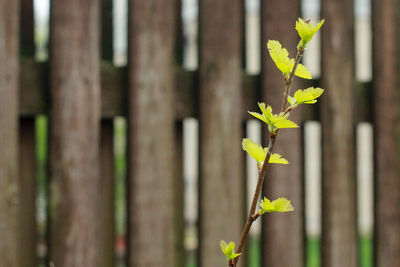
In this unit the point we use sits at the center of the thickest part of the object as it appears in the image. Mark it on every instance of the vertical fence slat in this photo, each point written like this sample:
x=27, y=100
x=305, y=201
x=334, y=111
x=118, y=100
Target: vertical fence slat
x=74, y=133
x=387, y=134
x=107, y=223
x=151, y=132
x=282, y=232
x=27, y=159
x=9, y=190
x=221, y=191
x=339, y=232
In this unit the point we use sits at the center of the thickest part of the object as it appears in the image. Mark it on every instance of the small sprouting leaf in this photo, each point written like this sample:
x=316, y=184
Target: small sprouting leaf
x=302, y=72
x=259, y=153
x=228, y=250
x=277, y=158
x=279, y=205
x=282, y=61
x=254, y=150
x=274, y=121
x=280, y=56
x=266, y=114
x=306, y=96
x=285, y=123
x=306, y=31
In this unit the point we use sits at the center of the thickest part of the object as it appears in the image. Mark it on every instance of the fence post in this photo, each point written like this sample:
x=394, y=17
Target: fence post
x=221, y=191
x=9, y=186
x=74, y=133
x=282, y=232
x=386, y=129
x=27, y=159
x=339, y=227
x=151, y=132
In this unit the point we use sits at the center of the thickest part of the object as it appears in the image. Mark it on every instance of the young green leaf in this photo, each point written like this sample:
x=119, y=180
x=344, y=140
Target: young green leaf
x=279, y=205
x=228, y=250
x=306, y=31
x=306, y=96
x=277, y=158
x=259, y=154
x=274, y=121
x=282, y=61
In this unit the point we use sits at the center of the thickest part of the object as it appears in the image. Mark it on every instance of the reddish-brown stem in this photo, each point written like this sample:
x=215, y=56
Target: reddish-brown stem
x=289, y=80
x=252, y=216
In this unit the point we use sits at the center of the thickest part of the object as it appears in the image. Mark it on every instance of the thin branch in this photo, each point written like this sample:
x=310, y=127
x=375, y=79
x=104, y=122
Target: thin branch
x=252, y=215
x=289, y=81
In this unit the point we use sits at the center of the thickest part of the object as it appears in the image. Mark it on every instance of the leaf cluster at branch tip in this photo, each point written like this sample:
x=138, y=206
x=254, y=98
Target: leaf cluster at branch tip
x=228, y=250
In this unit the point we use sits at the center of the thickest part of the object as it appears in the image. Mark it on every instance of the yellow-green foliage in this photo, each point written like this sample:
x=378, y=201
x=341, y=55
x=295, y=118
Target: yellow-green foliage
x=279, y=205
x=258, y=153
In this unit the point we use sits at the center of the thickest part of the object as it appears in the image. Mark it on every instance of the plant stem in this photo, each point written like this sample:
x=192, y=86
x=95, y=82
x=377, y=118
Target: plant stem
x=289, y=81
x=252, y=216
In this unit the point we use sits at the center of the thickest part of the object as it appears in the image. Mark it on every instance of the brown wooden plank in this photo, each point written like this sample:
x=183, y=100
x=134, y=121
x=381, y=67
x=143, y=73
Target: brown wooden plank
x=27, y=179
x=74, y=133
x=221, y=191
x=9, y=189
x=282, y=232
x=151, y=132
x=339, y=232
x=107, y=227
x=386, y=130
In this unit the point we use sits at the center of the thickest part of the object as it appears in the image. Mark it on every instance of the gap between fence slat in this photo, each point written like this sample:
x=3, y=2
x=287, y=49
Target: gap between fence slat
x=107, y=228
x=27, y=155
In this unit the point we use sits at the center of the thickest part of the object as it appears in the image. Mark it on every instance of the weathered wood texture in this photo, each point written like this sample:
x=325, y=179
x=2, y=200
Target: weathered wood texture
x=221, y=190
x=27, y=159
x=339, y=236
x=387, y=132
x=9, y=189
x=74, y=133
x=282, y=232
x=151, y=132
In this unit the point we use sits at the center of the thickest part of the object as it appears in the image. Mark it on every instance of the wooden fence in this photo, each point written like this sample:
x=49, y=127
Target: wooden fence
x=82, y=92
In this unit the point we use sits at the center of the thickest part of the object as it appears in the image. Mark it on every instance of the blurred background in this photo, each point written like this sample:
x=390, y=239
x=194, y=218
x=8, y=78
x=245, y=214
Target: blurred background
x=124, y=139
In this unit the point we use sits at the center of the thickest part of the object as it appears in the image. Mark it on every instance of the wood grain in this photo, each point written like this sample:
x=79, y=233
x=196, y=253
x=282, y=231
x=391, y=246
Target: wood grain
x=151, y=132
x=9, y=185
x=74, y=133
x=387, y=132
x=221, y=191
x=339, y=227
